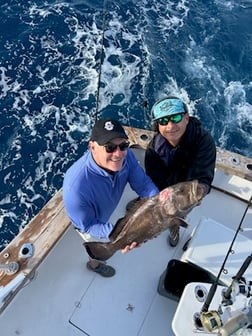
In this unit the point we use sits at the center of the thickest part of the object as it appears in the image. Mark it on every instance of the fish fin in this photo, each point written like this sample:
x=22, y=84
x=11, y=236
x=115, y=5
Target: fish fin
x=99, y=251
x=136, y=205
x=117, y=229
x=177, y=221
x=121, y=221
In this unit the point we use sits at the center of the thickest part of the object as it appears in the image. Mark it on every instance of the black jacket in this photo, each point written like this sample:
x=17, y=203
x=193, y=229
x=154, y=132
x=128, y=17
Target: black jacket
x=194, y=158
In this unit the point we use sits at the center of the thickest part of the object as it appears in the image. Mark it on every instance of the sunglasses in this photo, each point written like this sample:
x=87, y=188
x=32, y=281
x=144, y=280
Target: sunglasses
x=111, y=148
x=175, y=118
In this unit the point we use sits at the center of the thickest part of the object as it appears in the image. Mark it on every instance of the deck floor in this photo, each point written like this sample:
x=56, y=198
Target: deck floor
x=66, y=299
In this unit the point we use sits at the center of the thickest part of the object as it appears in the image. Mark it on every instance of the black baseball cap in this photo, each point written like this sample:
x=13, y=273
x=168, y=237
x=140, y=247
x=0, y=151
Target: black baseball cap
x=106, y=130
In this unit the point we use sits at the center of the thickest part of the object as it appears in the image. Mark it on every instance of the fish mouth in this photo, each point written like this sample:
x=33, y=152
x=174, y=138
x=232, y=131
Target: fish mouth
x=194, y=194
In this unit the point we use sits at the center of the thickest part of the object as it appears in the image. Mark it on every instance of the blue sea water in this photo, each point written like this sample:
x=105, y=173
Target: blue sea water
x=65, y=63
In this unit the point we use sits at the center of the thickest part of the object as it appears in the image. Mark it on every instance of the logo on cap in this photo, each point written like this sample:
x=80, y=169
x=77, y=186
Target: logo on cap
x=166, y=106
x=109, y=126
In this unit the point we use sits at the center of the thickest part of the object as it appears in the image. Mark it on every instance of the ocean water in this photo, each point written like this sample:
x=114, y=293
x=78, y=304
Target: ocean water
x=65, y=63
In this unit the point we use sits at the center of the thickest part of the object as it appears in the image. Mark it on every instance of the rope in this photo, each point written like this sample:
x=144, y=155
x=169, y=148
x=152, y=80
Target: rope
x=101, y=59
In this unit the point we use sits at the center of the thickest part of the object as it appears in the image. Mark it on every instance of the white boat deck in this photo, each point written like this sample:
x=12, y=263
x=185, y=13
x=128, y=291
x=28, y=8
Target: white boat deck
x=66, y=299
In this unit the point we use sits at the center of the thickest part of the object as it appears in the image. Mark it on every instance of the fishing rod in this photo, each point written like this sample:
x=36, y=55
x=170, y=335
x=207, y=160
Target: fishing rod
x=199, y=317
x=101, y=58
x=227, y=293
x=145, y=100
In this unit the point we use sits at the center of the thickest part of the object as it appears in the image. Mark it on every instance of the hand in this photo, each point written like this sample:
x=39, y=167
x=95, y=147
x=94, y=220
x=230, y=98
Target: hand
x=127, y=248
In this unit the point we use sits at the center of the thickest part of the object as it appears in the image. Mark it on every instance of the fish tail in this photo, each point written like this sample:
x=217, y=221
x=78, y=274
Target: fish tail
x=99, y=251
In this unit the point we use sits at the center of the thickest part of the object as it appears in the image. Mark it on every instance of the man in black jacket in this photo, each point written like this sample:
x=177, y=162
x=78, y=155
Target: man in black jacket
x=181, y=149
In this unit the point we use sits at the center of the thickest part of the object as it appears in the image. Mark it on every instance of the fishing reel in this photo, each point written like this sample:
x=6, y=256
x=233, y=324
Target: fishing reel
x=211, y=321
x=226, y=319
x=238, y=287
x=207, y=321
x=242, y=287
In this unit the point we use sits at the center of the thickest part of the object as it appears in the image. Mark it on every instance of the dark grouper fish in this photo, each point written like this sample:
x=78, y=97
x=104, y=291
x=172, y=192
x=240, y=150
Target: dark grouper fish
x=149, y=217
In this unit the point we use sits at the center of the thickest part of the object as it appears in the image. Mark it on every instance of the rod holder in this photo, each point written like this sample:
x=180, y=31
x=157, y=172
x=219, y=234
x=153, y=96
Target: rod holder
x=10, y=268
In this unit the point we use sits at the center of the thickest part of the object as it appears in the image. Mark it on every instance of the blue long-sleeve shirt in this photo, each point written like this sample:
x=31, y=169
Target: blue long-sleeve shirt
x=91, y=194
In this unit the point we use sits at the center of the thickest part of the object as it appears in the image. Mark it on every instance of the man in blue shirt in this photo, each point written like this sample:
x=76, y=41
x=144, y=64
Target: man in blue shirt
x=94, y=184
